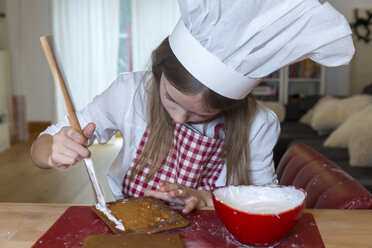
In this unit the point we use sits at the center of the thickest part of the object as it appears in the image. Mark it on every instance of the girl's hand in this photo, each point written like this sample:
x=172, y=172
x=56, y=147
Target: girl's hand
x=191, y=198
x=69, y=147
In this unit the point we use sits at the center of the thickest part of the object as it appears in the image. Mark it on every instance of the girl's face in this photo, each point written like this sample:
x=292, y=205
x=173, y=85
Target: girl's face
x=184, y=107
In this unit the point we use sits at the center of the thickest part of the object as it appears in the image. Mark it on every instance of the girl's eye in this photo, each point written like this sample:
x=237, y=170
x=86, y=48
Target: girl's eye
x=203, y=116
x=169, y=97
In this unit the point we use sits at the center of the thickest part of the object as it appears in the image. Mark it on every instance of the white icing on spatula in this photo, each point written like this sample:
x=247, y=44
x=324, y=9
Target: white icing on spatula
x=101, y=205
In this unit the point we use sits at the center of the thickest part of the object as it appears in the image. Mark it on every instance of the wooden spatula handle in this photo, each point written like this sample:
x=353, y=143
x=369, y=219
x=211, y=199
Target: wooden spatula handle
x=58, y=79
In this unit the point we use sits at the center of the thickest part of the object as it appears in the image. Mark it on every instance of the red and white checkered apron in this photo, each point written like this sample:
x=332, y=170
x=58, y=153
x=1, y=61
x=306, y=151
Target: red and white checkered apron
x=196, y=162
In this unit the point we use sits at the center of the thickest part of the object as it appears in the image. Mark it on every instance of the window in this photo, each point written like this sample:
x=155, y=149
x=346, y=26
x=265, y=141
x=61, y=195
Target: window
x=125, y=56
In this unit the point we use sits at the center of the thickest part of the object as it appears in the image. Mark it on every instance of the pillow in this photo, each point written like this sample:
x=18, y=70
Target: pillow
x=330, y=114
x=276, y=107
x=340, y=137
x=360, y=147
x=308, y=116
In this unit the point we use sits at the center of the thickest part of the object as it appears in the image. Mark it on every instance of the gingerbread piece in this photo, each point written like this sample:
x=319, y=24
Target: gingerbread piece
x=163, y=240
x=143, y=215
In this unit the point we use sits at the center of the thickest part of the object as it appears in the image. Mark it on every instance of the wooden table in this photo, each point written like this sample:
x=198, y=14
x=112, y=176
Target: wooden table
x=21, y=224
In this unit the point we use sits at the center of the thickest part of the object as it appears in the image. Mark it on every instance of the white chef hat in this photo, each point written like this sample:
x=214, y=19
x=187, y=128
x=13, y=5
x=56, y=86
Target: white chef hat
x=229, y=45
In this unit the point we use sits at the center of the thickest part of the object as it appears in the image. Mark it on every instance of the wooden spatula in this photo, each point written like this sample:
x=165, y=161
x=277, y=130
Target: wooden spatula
x=58, y=79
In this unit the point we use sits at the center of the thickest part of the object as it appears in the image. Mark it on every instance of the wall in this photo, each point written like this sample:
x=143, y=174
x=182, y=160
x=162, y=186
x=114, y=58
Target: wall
x=4, y=100
x=360, y=68
x=3, y=41
x=147, y=35
x=5, y=82
x=346, y=6
x=342, y=80
x=27, y=21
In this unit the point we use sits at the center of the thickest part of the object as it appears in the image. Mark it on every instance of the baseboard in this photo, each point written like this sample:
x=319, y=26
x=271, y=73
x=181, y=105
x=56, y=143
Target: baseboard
x=4, y=136
x=36, y=127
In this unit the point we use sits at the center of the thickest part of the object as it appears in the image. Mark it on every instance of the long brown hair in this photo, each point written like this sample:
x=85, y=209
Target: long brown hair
x=237, y=114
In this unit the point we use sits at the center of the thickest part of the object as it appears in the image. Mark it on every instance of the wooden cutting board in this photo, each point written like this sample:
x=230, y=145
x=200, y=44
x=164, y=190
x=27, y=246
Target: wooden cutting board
x=205, y=230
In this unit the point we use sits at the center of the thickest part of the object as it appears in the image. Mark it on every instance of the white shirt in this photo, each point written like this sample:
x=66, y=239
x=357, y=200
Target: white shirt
x=122, y=107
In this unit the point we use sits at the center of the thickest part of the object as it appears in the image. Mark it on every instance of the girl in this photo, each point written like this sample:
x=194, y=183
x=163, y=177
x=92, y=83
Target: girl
x=180, y=139
x=190, y=125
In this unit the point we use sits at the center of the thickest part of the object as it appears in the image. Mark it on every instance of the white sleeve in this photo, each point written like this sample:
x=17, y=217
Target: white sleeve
x=264, y=134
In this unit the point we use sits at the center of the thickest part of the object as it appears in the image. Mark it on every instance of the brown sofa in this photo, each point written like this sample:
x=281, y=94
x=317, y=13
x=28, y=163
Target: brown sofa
x=293, y=132
x=327, y=185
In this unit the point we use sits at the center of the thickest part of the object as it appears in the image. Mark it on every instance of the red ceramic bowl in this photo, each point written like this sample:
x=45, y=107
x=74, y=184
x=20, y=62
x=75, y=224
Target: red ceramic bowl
x=259, y=215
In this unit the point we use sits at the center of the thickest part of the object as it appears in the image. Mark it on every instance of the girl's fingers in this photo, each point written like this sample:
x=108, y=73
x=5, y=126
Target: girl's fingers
x=81, y=150
x=75, y=136
x=71, y=148
x=167, y=186
x=69, y=154
x=61, y=159
x=158, y=194
x=166, y=196
x=63, y=167
x=179, y=193
x=192, y=204
x=173, y=192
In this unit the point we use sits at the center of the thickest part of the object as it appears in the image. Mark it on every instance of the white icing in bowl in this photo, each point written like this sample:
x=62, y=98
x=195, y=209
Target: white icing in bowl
x=260, y=199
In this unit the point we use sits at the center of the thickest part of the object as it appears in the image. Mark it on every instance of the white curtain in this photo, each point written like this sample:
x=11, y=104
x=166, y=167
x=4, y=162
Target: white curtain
x=86, y=35
x=152, y=21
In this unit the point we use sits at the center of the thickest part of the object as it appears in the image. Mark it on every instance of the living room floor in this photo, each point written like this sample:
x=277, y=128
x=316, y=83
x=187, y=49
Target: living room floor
x=22, y=181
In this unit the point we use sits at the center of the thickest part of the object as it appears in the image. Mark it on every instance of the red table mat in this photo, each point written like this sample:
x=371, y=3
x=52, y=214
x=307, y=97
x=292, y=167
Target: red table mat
x=206, y=230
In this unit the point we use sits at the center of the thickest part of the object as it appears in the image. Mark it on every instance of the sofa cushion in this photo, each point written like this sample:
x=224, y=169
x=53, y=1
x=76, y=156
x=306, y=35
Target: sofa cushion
x=308, y=102
x=360, y=147
x=355, y=124
x=296, y=130
x=292, y=112
x=330, y=114
x=356, y=135
x=308, y=117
